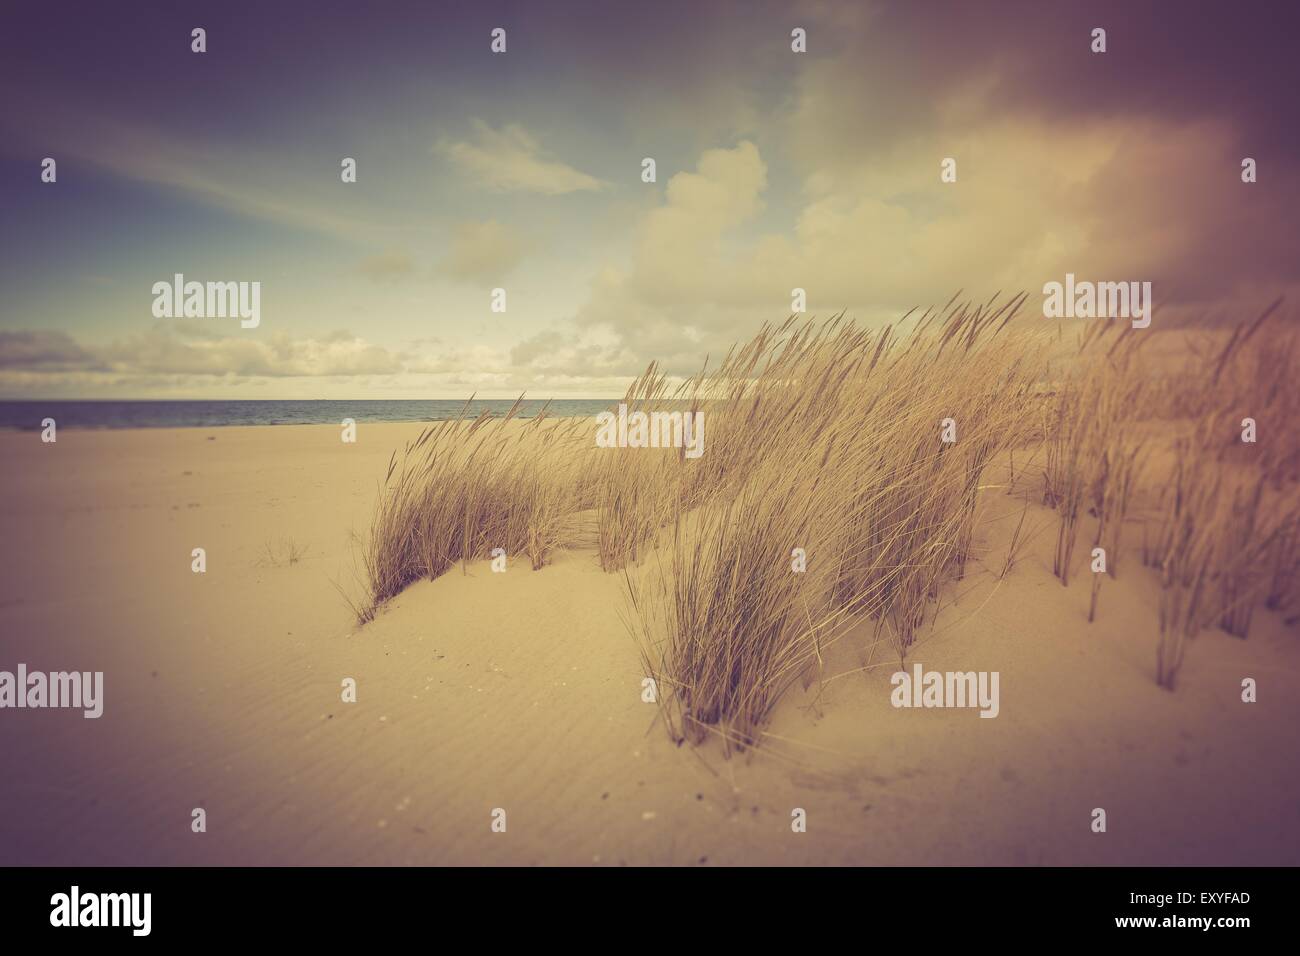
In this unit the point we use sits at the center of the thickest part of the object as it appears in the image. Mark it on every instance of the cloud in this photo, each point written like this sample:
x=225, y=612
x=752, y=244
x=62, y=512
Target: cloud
x=44, y=351
x=511, y=160
x=877, y=233
x=678, y=252
x=817, y=171
x=695, y=266
x=162, y=351
x=277, y=355
x=585, y=354
x=194, y=360
x=387, y=266
x=256, y=182
x=482, y=252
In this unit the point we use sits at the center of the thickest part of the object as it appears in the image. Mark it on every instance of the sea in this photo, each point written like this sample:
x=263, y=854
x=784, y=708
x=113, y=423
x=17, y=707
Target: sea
x=27, y=415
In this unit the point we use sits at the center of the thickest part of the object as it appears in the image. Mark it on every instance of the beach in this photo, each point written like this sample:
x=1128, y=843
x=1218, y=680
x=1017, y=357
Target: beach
x=522, y=691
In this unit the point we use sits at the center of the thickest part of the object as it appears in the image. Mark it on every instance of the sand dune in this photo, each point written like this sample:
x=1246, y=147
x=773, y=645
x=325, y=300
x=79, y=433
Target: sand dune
x=522, y=691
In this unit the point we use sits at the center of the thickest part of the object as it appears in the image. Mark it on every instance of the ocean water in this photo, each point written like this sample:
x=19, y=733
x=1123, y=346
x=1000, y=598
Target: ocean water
x=207, y=414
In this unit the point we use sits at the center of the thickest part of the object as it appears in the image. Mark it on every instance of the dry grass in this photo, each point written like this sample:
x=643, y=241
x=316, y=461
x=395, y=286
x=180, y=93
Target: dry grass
x=1226, y=510
x=826, y=439
x=1018, y=541
x=827, y=503
x=1093, y=452
x=1283, y=593
x=467, y=487
x=1183, y=554
x=281, y=552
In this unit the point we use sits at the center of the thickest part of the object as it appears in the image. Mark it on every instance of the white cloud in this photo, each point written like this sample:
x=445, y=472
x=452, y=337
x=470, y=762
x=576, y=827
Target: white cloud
x=196, y=352
x=482, y=252
x=511, y=160
x=389, y=266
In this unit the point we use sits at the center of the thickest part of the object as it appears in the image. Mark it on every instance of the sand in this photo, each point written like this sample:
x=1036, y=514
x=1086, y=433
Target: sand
x=522, y=691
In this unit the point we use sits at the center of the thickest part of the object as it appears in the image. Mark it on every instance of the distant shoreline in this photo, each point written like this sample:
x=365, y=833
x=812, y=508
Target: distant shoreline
x=36, y=429
x=28, y=415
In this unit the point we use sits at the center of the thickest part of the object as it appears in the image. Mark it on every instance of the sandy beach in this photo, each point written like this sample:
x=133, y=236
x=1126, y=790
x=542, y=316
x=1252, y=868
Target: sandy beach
x=522, y=691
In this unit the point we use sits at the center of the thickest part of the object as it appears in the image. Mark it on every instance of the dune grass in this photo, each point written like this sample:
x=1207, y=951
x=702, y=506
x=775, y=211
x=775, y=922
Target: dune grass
x=465, y=488
x=840, y=491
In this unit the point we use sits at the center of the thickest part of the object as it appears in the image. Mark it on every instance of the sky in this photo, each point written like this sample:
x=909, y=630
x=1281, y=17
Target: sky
x=523, y=171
